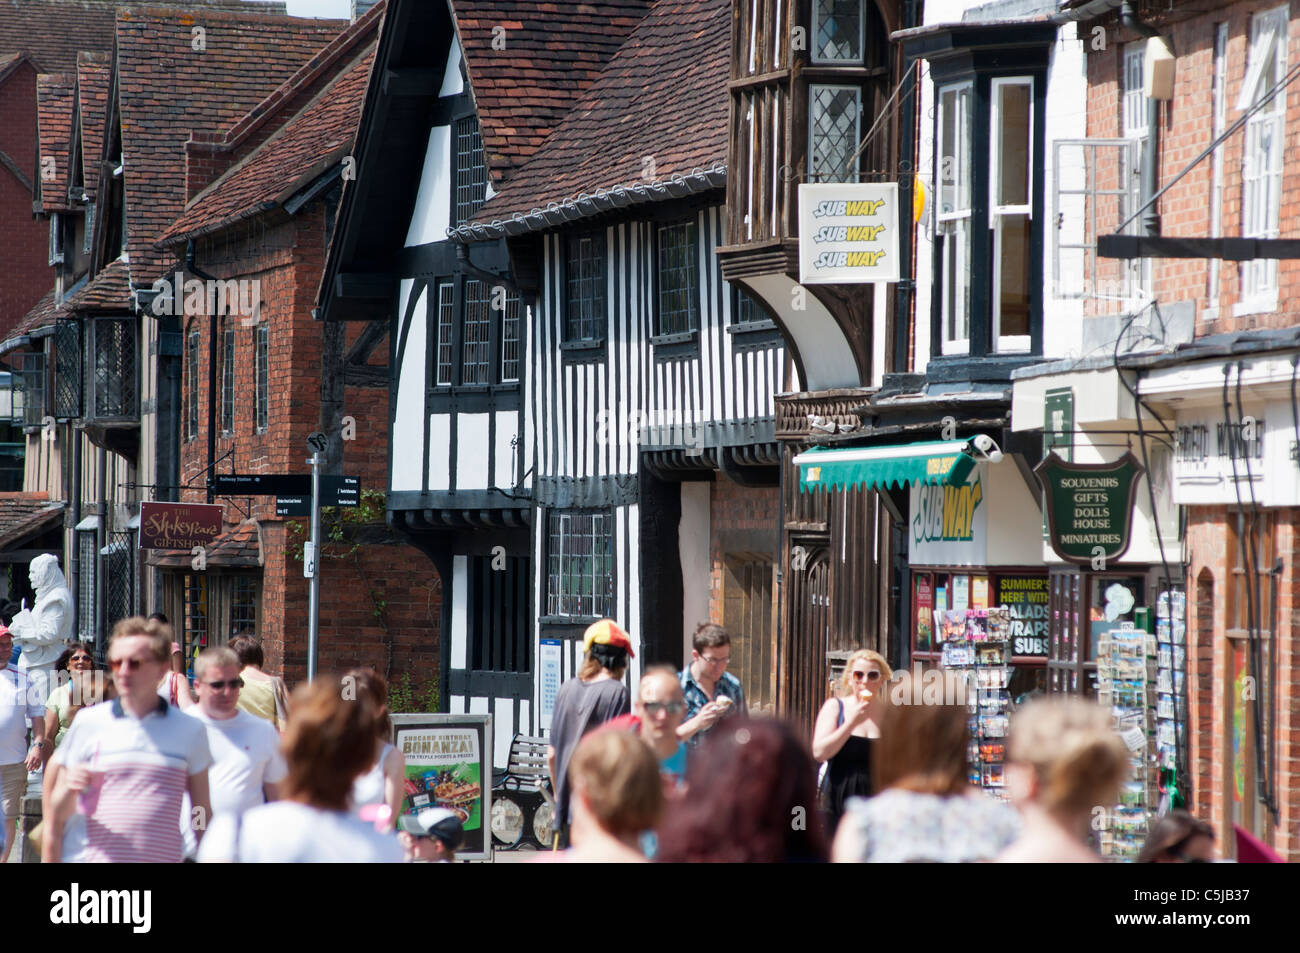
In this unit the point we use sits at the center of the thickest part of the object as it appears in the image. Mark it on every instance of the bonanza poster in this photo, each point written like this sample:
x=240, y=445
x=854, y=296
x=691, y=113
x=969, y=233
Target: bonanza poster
x=448, y=765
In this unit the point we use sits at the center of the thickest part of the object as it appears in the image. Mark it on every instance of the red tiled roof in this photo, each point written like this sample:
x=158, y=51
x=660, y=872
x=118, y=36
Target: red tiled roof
x=54, y=96
x=110, y=290
x=94, y=77
x=23, y=515
x=308, y=145
x=239, y=546
x=43, y=316
x=55, y=31
x=167, y=92
x=553, y=51
x=663, y=95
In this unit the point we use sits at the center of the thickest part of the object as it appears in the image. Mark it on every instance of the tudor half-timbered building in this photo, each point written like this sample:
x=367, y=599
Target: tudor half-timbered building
x=582, y=418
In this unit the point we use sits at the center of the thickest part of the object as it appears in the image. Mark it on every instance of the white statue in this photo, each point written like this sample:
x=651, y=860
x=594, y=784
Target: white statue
x=44, y=630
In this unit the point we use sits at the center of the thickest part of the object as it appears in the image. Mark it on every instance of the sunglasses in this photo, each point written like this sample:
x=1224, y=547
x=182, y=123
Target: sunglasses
x=714, y=661
x=673, y=708
x=872, y=676
x=130, y=664
x=221, y=686
x=81, y=658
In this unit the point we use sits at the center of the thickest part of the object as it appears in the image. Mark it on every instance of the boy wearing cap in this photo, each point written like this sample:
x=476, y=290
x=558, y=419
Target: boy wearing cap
x=433, y=835
x=594, y=697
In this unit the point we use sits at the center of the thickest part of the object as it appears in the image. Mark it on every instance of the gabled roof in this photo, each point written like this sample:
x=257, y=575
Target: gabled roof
x=314, y=140
x=529, y=62
x=94, y=77
x=166, y=92
x=307, y=143
x=55, y=31
x=238, y=547
x=663, y=96
x=110, y=290
x=54, y=98
x=35, y=323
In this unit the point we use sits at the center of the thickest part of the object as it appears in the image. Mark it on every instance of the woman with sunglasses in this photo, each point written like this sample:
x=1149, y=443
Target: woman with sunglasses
x=80, y=688
x=846, y=729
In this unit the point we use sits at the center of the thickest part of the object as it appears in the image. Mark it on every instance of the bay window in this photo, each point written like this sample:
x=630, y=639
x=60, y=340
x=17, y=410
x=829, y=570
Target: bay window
x=987, y=212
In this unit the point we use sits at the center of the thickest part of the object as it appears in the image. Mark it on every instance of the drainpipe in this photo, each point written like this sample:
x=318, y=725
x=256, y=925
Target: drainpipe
x=74, y=498
x=1150, y=181
x=194, y=269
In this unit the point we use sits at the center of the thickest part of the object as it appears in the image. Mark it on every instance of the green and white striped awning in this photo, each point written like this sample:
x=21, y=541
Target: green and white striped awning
x=937, y=462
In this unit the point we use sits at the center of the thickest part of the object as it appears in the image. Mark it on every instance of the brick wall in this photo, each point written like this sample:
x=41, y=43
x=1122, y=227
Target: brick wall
x=1186, y=130
x=380, y=605
x=1213, y=555
x=25, y=272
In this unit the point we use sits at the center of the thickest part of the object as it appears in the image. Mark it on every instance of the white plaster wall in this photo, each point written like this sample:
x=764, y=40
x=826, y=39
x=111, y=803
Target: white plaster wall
x=432, y=213
x=693, y=543
x=472, y=452
x=408, y=420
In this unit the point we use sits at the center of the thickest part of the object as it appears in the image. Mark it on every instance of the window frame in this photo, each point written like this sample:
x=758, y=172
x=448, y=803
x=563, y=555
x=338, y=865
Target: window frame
x=192, y=339
x=814, y=51
x=600, y=317
x=558, y=602
x=262, y=378
x=228, y=382
x=456, y=168
x=455, y=288
x=959, y=222
x=850, y=175
x=1261, y=190
x=1020, y=343
x=694, y=316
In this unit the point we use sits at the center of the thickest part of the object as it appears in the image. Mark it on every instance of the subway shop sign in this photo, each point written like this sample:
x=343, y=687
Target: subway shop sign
x=1089, y=507
x=949, y=525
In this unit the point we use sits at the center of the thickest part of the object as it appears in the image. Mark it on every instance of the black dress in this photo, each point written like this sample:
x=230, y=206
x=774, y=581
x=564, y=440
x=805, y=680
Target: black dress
x=848, y=774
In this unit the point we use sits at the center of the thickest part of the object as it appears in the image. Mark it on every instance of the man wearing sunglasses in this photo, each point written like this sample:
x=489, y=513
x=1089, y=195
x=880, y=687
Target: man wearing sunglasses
x=124, y=766
x=711, y=692
x=660, y=709
x=19, y=701
x=247, y=766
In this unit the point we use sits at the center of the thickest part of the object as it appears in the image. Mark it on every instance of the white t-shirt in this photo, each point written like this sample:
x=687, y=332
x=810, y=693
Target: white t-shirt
x=18, y=702
x=245, y=756
x=133, y=813
x=293, y=833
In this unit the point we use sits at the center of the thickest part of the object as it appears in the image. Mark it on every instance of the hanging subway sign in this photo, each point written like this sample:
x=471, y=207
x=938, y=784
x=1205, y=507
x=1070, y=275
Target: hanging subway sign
x=848, y=233
x=1089, y=506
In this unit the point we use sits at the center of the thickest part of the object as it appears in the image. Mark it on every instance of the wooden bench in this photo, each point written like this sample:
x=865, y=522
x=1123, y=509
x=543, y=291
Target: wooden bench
x=523, y=807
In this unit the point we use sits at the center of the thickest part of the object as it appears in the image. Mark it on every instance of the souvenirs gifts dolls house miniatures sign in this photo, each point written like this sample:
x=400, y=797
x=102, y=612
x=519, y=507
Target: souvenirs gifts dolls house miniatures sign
x=1089, y=507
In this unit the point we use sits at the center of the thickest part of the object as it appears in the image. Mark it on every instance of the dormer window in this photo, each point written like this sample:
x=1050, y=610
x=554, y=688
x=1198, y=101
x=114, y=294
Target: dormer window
x=471, y=171
x=837, y=31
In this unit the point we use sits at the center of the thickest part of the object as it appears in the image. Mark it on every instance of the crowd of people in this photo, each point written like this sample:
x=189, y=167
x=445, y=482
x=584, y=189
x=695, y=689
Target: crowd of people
x=145, y=766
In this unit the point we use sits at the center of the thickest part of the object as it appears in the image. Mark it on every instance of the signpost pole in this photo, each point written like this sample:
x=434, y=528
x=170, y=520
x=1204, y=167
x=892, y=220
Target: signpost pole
x=310, y=569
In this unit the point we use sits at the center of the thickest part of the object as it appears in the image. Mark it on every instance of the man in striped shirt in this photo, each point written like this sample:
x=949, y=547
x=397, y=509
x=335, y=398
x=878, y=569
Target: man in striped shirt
x=125, y=765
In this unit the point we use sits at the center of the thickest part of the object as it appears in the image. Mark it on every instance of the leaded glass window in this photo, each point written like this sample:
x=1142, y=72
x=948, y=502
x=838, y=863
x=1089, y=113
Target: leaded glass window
x=446, y=327
x=678, y=299
x=585, y=281
x=835, y=117
x=262, y=354
x=837, y=31
x=580, y=564
x=471, y=172
x=476, y=335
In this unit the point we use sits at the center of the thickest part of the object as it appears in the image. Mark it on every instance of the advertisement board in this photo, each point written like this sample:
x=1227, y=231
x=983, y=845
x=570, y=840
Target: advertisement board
x=848, y=233
x=178, y=525
x=449, y=764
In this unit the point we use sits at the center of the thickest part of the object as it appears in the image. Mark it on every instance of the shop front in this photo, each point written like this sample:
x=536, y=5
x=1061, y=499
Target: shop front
x=977, y=571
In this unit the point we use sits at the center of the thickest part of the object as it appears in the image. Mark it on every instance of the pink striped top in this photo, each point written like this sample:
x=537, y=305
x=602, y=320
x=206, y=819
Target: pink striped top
x=134, y=814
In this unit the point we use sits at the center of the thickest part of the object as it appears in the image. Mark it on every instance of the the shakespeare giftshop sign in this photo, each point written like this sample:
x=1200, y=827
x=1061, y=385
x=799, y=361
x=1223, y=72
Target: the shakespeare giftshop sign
x=449, y=764
x=1089, y=507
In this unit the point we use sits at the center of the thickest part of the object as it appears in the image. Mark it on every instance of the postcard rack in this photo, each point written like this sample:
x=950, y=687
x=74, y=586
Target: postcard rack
x=977, y=643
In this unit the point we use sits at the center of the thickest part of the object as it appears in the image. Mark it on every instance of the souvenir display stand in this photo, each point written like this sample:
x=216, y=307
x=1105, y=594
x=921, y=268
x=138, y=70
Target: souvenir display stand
x=1126, y=679
x=1171, y=692
x=977, y=643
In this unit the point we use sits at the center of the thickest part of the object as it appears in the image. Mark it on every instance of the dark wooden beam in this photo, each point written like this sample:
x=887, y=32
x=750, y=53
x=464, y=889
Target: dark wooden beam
x=361, y=285
x=1129, y=247
x=412, y=82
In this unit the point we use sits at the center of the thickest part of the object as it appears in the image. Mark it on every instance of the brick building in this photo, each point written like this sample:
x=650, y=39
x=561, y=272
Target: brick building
x=1194, y=98
x=261, y=198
